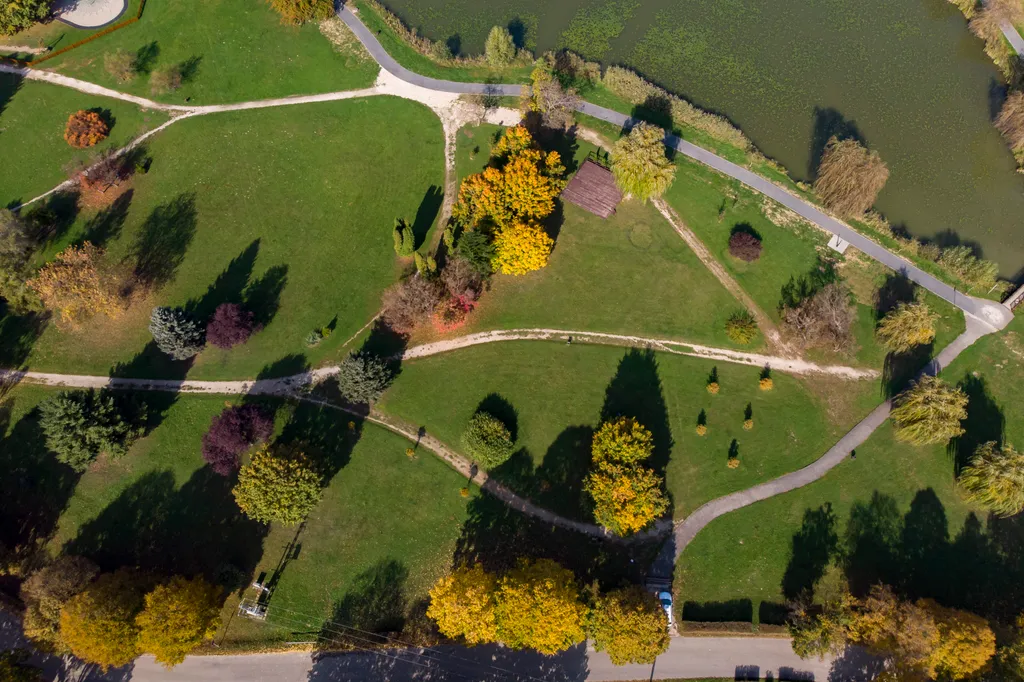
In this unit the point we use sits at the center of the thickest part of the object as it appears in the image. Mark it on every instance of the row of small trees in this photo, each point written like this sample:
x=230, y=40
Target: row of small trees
x=109, y=619
x=538, y=605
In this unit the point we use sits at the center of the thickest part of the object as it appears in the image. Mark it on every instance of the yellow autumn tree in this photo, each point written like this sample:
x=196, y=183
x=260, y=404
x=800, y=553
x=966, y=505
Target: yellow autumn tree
x=538, y=606
x=98, y=625
x=76, y=285
x=626, y=498
x=520, y=186
x=462, y=605
x=630, y=625
x=521, y=248
x=179, y=616
x=966, y=642
x=623, y=440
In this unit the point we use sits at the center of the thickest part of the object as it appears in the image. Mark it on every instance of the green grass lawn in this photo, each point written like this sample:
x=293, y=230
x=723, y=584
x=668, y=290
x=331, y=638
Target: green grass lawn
x=630, y=274
x=289, y=210
x=32, y=120
x=236, y=51
x=714, y=207
x=894, y=510
x=555, y=395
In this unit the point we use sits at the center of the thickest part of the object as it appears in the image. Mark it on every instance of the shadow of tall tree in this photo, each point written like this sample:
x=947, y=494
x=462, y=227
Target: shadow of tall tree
x=106, y=225
x=229, y=285
x=10, y=83
x=985, y=422
x=18, y=335
x=895, y=289
x=814, y=546
x=51, y=218
x=163, y=240
x=36, y=486
x=899, y=369
x=375, y=603
x=426, y=214
x=635, y=391
x=197, y=529
x=263, y=295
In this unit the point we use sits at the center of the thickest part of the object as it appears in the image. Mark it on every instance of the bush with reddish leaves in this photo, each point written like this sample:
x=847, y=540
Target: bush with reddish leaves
x=745, y=246
x=85, y=129
x=451, y=313
x=231, y=325
x=231, y=433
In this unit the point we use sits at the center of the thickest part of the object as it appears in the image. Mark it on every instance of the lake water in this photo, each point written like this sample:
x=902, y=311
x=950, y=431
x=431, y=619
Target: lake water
x=906, y=76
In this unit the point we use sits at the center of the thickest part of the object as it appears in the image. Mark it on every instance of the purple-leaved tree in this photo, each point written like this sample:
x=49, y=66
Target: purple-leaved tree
x=231, y=433
x=230, y=326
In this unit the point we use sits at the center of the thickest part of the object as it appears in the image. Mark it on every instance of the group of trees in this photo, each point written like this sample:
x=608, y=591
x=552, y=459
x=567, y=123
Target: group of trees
x=446, y=297
x=79, y=426
x=641, y=168
x=507, y=201
x=182, y=336
x=627, y=497
x=538, y=605
x=921, y=639
x=125, y=67
x=555, y=103
x=109, y=619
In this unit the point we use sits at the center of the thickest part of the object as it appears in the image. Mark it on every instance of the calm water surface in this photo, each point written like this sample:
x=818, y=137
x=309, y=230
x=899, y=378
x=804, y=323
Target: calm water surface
x=904, y=75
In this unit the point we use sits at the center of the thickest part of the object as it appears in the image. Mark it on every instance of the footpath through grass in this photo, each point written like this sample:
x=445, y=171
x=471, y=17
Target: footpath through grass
x=32, y=120
x=288, y=210
x=630, y=274
x=553, y=396
x=892, y=514
x=228, y=50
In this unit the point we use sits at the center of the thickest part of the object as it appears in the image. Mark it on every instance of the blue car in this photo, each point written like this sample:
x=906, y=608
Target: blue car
x=666, y=603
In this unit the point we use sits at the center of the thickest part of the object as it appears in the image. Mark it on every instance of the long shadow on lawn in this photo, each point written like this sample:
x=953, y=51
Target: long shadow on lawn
x=36, y=486
x=375, y=603
x=814, y=546
x=427, y=214
x=197, y=529
x=51, y=218
x=828, y=123
x=228, y=286
x=18, y=335
x=981, y=569
x=985, y=422
x=899, y=369
x=107, y=223
x=153, y=362
x=163, y=240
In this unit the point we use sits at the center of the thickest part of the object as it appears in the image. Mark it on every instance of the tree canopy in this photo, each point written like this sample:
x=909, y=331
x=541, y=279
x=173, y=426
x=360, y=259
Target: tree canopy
x=175, y=333
x=930, y=411
x=907, y=326
x=521, y=248
x=462, y=604
x=178, y=616
x=279, y=485
x=639, y=163
x=622, y=441
x=81, y=425
x=45, y=592
x=487, y=440
x=363, y=377
x=98, y=625
x=626, y=498
x=539, y=607
x=994, y=478
x=76, y=285
x=18, y=15
x=630, y=625
x=849, y=177
x=500, y=48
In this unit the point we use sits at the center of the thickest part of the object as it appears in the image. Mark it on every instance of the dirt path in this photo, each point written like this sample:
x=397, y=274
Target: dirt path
x=771, y=332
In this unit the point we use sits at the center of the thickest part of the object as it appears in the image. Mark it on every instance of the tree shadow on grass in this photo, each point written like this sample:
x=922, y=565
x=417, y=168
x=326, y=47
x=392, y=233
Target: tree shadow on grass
x=899, y=369
x=497, y=406
x=153, y=363
x=9, y=85
x=375, y=603
x=195, y=530
x=563, y=473
x=36, y=486
x=427, y=214
x=895, y=289
x=263, y=295
x=106, y=225
x=327, y=435
x=53, y=217
x=146, y=56
x=163, y=240
x=732, y=611
x=635, y=391
x=497, y=537
x=814, y=546
x=18, y=335
x=985, y=422
x=228, y=286
x=387, y=344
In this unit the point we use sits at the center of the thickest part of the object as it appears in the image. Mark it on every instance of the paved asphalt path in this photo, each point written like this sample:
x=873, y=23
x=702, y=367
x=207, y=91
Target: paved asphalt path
x=992, y=314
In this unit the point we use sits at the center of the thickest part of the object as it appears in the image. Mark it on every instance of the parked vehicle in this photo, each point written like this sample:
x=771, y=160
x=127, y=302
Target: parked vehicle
x=666, y=603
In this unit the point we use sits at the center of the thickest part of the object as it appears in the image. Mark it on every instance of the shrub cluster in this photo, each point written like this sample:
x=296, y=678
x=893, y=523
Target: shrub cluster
x=79, y=426
x=741, y=327
x=85, y=129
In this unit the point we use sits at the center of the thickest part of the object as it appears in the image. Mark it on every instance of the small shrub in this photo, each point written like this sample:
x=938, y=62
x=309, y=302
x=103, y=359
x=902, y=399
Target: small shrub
x=487, y=440
x=745, y=246
x=451, y=313
x=314, y=338
x=297, y=12
x=741, y=327
x=425, y=265
x=410, y=453
x=766, y=384
x=734, y=463
x=167, y=79
x=85, y=129
x=448, y=236
x=363, y=378
x=701, y=429
x=230, y=326
x=748, y=424
x=175, y=333
x=500, y=48
x=464, y=491
x=120, y=65
x=713, y=387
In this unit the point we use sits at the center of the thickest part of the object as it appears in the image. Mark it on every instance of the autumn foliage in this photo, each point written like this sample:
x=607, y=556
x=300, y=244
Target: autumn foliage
x=85, y=129
x=76, y=285
x=538, y=607
x=521, y=248
x=98, y=625
x=231, y=433
x=630, y=625
x=297, y=12
x=178, y=616
x=849, y=177
x=627, y=497
x=462, y=605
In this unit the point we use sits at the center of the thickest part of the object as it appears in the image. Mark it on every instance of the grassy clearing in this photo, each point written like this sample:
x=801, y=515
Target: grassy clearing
x=32, y=120
x=714, y=206
x=555, y=395
x=629, y=274
x=289, y=210
x=231, y=51
x=895, y=510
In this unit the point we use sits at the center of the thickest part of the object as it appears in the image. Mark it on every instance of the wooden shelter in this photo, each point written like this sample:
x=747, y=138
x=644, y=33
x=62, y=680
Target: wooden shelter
x=593, y=189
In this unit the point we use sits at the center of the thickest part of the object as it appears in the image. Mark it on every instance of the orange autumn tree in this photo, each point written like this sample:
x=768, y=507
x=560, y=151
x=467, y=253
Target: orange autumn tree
x=76, y=285
x=85, y=129
x=510, y=198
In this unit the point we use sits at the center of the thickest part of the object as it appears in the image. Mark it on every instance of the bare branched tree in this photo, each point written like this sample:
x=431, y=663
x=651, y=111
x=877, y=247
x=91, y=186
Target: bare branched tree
x=849, y=177
x=824, y=319
x=410, y=302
